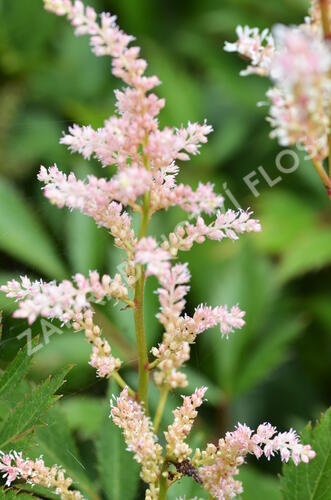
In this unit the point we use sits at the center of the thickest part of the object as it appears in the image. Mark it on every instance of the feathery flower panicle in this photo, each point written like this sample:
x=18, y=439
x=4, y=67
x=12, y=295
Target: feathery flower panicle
x=94, y=196
x=95, y=199
x=138, y=433
x=298, y=61
x=13, y=466
x=71, y=302
x=182, y=330
x=156, y=259
x=65, y=301
x=226, y=225
x=218, y=465
x=177, y=432
x=166, y=193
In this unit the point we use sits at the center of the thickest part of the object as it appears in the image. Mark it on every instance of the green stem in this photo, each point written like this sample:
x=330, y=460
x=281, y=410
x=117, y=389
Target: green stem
x=163, y=483
x=322, y=173
x=160, y=408
x=139, y=315
x=119, y=380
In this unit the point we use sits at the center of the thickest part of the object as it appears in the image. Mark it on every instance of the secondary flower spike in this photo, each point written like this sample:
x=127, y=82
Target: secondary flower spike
x=14, y=467
x=297, y=59
x=219, y=465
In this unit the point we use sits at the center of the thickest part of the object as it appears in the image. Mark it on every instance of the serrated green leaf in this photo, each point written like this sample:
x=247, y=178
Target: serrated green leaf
x=311, y=481
x=15, y=371
x=22, y=236
x=26, y=415
x=119, y=473
x=55, y=442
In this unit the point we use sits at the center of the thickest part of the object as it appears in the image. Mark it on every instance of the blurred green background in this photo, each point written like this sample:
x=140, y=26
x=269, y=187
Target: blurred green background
x=278, y=368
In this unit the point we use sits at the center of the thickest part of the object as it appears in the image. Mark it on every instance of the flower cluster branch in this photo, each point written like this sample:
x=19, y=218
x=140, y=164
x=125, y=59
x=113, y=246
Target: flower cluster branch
x=297, y=59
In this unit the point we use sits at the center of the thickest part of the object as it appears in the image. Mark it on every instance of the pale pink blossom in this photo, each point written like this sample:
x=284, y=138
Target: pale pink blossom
x=166, y=193
x=101, y=358
x=138, y=434
x=177, y=432
x=300, y=56
x=218, y=465
x=182, y=330
x=71, y=302
x=125, y=187
x=106, y=39
x=206, y=317
x=65, y=301
x=34, y=472
x=156, y=259
x=227, y=224
x=258, y=47
x=298, y=61
x=165, y=146
x=301, y=97
x=94, y=199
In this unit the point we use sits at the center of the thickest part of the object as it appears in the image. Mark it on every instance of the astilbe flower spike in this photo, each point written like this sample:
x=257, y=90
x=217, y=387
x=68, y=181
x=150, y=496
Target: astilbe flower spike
x=146, y=182
x=13, y=466
x=298, y=61
x=218, y=465
x=140, y=438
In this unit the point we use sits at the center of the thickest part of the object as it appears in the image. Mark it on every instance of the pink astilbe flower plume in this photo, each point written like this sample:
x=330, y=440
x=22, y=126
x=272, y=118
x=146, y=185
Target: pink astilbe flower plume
x=218, y=465
x=139, y=437
x=71, y=302
x=182, y=330
x=184, y=417
x=14, y=467
x=298, y=61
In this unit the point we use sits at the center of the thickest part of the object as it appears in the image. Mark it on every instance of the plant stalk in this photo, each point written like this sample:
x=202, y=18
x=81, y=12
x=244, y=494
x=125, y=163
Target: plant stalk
x=139, y=315
x=160, y=408
x=163, y=483
x=121, y=382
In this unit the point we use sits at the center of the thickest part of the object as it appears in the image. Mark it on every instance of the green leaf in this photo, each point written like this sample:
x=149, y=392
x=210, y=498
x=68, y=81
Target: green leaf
x=77, y=407
x=26, y=415
x=55, y=442
x=266, y=355
x=186, y=488
x=15, y=372
x=284, y=217
x=22, y=236
x=311, y=481
x=15, y=495
x=119, y=473
x=309, y=253
x=258, y=486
